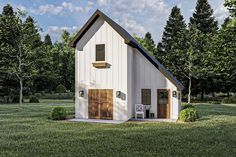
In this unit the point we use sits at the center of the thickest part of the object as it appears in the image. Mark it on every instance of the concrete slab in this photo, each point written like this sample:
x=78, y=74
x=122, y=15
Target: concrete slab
x=153, y=120
x=96, y=121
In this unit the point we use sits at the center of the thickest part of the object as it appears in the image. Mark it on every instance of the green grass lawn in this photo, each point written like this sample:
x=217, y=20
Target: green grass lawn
x=31, y=133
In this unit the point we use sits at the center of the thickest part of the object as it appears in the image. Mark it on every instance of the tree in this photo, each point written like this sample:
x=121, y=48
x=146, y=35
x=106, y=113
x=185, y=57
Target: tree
x=203, y=17
x=191, y=66
x=173, y=44
x=47, y=40
x=8, y=10
x=147, y=42
x=18, y=40
x=231, y=5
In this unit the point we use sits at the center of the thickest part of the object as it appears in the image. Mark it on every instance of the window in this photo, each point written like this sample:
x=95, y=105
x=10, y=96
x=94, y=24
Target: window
x=146, y=96
x=100, y=52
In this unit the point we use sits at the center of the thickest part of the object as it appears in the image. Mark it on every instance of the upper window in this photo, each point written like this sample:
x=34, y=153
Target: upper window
x=100, y=52
x=146, y=96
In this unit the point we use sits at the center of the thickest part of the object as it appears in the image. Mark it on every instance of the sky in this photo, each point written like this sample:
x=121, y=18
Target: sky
x=136, y=16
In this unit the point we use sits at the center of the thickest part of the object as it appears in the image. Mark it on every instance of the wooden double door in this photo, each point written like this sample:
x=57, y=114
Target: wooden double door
x=100, y=103
x=163, y=103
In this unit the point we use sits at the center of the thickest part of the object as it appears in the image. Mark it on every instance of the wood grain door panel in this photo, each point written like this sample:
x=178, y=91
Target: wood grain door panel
x=101, y=103
x=163, y=103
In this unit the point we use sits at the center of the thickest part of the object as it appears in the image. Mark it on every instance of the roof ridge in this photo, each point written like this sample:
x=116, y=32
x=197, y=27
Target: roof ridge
x=128, y=40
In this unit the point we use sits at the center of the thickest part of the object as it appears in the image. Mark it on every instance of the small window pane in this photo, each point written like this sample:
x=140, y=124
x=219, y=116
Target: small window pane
x=146, y=96
x=100, y=52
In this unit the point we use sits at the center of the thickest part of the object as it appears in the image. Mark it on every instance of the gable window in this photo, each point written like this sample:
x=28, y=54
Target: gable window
x=146, y=96
x=100, y=52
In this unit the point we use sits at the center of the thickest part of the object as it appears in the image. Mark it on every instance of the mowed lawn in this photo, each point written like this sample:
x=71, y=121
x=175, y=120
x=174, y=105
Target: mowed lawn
x=31, y=133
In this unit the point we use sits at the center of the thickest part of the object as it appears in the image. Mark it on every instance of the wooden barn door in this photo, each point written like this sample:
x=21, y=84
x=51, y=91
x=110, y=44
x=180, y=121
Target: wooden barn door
x=100, y=103
x=163, y=103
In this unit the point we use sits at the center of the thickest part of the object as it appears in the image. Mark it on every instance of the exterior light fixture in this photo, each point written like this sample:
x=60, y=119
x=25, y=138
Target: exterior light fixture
x=118, y=94
x=81, y=93
x=174, y=93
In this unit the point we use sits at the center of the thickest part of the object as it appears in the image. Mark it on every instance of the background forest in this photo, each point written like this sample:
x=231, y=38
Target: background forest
x=201, y=54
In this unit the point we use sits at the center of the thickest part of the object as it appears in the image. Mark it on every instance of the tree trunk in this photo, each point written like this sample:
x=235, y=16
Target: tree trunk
x=213, y=94
x=21, y=93
x=202, y=95
x=189, y=90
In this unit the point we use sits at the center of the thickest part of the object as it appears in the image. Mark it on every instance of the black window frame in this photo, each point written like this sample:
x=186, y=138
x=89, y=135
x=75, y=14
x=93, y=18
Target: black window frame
x=100, y=55
x=145, y=99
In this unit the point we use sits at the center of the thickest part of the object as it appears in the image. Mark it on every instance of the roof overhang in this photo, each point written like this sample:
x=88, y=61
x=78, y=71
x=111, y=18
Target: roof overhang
x=128, y=40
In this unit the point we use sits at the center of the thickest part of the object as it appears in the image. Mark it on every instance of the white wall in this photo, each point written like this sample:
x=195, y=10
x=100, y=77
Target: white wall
x=147, y=76
x=89, y=77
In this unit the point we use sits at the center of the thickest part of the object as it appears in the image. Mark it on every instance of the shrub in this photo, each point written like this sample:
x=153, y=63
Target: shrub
x=61, y=89
x=229, y=100
x=33, y=99
x=188, y=115
x=16, y=99
x=185, y=106
x=38, y=95
x=58, y=96
x=214, y=102
x=58, y=113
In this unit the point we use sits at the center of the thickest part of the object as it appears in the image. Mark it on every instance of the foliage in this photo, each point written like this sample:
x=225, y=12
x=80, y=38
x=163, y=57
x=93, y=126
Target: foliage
x=214, y=102
x=231, y=5
x=188, y=115
x=184, y=106
x=68, y=95
x=147, y=42
x=61, y=89
x=203, y=17
x=33, y=99
x=15, y=99
x=173, y=44
x=19, y=40
x=47, y=40
x=229, y=100
x=58, y=113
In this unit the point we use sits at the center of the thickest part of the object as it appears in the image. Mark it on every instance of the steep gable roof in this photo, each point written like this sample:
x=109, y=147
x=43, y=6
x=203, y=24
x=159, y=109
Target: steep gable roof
x=128, y=40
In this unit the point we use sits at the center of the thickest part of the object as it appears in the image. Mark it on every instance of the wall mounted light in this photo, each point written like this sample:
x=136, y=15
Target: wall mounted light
x=118, y=94
x=81, y=93
x=174, y=93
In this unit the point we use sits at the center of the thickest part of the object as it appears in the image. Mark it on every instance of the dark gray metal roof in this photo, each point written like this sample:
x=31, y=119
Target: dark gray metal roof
x=128, y=40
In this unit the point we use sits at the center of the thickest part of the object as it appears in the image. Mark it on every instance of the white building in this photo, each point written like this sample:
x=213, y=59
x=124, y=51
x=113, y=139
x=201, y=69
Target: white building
x=113, y=72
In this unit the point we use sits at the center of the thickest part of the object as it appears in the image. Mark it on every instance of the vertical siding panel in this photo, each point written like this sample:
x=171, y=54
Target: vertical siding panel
x=104, y=71
x=110, y=56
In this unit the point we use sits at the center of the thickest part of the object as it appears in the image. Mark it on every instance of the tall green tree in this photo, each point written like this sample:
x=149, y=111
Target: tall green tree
x=205, y=22
x=147, y=42
x=18, y=40
x=47, y=40
x=190, y=64
x=231, y=5
x=203, y=17
x=173, y=44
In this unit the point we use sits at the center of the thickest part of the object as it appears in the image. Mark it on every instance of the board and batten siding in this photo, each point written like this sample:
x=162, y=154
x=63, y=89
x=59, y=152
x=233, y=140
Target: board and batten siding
x=147, y=76
x=89, y=77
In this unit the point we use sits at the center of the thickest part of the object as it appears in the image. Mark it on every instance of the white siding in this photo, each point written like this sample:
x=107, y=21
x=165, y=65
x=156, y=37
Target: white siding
x=129, y=72
x=89, y=77
x=147, y=76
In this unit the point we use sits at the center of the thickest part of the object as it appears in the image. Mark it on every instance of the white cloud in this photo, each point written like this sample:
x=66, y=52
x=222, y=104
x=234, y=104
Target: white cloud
x=137, y=16
x=56, y=31
x=21, y=7
x=103, y=2
x=132, y=26
x=60, y=9
x=221, y=13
